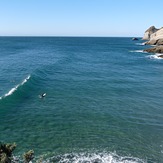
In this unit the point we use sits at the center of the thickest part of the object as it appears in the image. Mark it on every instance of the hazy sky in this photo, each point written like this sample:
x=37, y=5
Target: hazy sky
x=79, y=17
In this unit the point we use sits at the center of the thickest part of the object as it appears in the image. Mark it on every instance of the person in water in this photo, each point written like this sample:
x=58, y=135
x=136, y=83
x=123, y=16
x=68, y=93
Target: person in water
x=42, y=95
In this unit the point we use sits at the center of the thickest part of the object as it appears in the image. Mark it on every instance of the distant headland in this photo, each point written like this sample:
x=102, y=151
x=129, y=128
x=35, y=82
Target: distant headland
x=154, y=36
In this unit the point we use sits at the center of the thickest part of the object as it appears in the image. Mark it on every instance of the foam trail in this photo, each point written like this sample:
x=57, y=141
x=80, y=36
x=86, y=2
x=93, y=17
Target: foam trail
x=16, y=87
x=138, y=51
x=156, y=56
x=141, y=44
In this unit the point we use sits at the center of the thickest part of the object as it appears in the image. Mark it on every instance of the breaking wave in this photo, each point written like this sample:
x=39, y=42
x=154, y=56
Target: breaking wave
x=12, y=90
x=155, y=56
x=92, y=158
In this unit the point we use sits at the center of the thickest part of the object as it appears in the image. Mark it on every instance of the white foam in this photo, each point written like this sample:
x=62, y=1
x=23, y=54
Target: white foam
x=94, y=157
x=141, y=44
x=12, y=90
x=155, y=56
x=138, y=51
x=153, y=45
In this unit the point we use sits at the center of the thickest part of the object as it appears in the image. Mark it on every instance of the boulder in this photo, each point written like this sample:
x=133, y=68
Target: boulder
x=134, y=38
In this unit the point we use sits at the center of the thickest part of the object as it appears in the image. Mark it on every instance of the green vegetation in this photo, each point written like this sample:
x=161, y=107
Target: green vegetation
x=6, y=153
x=29, y=156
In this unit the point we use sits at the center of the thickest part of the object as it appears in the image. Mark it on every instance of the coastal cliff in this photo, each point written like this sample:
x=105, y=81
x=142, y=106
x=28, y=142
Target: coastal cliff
x=149, y=32
x=154, y=37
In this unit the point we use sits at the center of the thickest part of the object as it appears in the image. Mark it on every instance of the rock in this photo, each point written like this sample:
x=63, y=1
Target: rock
x=149, y=32
x=160, y=56
x=156, y=38
x=157, y=49
x=157, y=35
x=160, y=42
x=134, y=39
x=152, y=42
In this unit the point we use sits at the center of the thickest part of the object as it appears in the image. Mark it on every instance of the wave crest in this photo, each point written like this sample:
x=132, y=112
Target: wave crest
x=12, y=90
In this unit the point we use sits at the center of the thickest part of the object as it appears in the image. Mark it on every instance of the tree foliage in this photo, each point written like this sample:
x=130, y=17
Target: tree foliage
x=6, y=154
x=6, y=151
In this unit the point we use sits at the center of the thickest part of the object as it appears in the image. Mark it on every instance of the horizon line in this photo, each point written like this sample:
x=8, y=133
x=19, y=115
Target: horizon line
x=63, y=36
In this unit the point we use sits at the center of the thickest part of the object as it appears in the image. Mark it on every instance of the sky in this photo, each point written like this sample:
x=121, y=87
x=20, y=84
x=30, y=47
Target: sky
x=106, y=18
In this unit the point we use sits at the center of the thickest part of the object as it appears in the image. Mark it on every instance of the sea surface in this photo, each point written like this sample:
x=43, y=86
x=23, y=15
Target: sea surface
x=103, y=103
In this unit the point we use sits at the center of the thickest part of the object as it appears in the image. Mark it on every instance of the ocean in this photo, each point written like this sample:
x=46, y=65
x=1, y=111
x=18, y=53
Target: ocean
x=103, y=100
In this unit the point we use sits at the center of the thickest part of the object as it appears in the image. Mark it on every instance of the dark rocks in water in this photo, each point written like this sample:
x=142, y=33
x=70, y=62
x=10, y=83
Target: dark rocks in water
x=97, y=160
x=134, y=39
x=160, y=56
x=157, y=49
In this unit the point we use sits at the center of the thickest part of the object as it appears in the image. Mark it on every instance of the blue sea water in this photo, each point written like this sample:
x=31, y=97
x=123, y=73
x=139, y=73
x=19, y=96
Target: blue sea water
x=103, y=104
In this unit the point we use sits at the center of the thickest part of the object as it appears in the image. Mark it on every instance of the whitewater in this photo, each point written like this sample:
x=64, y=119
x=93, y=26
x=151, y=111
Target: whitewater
x=16, y=87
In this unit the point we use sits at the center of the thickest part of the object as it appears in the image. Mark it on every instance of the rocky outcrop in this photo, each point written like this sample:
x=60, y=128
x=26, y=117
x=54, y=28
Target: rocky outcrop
x=154, y=42
x=160, y=42
x=149, y=32
x=157, y=49
x=134, y=39
x=155, y=37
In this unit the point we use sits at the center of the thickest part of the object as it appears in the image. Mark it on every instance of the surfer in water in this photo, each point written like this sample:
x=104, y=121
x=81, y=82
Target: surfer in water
x=42, y=95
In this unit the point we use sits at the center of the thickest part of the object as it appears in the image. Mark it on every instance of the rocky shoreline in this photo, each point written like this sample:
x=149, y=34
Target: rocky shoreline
x=157, y=49
x=154, y=37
